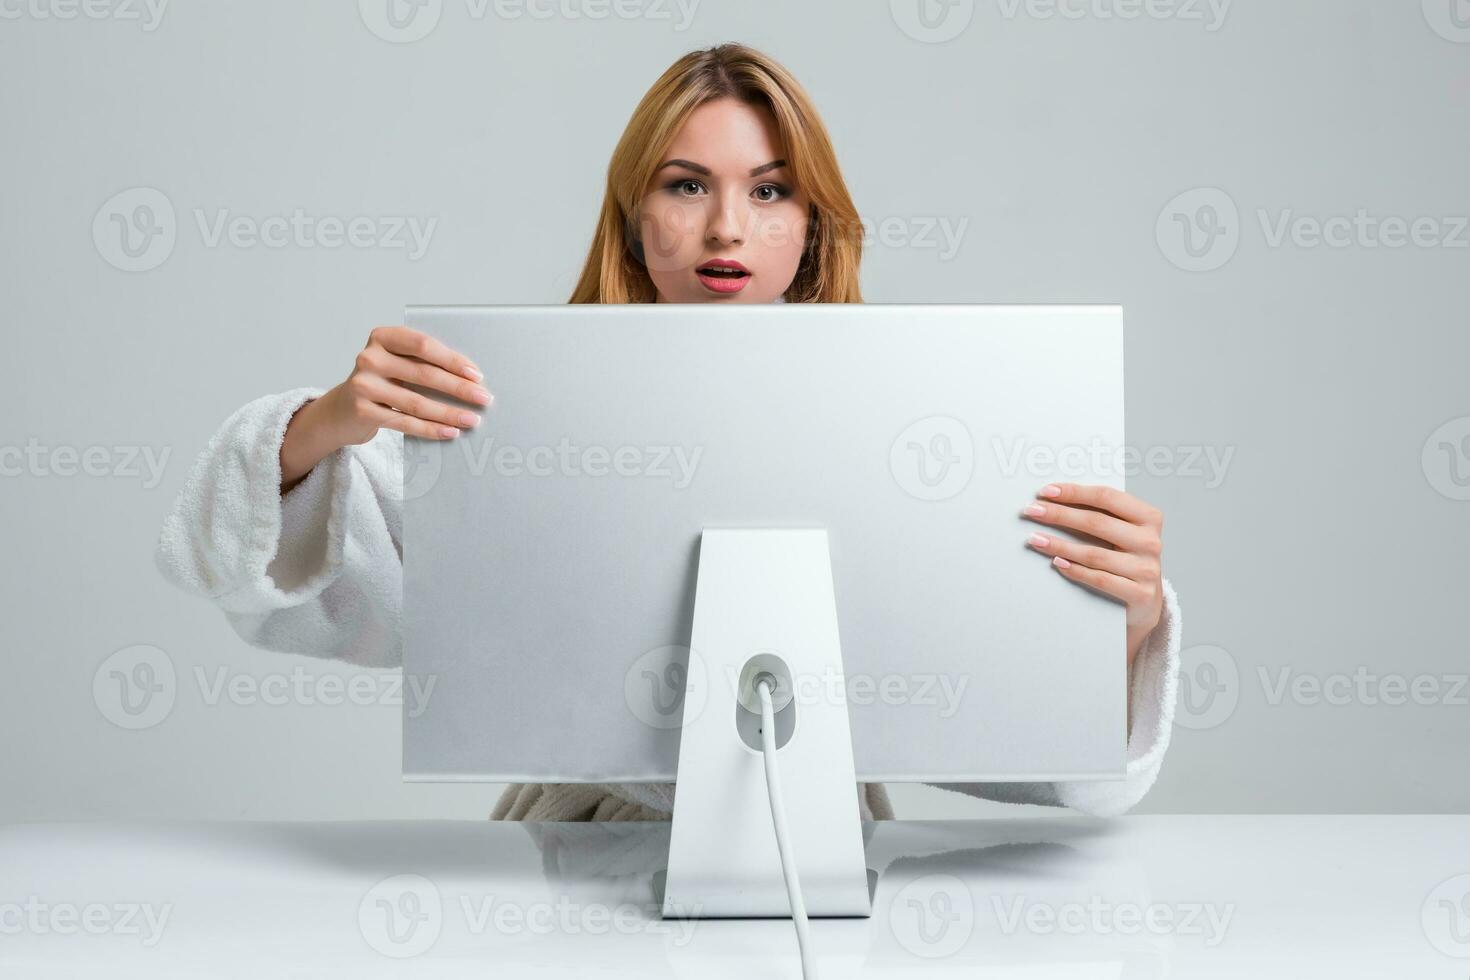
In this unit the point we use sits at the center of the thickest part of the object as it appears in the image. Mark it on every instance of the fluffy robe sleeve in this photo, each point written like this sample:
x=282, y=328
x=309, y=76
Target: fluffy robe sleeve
x=319, y=572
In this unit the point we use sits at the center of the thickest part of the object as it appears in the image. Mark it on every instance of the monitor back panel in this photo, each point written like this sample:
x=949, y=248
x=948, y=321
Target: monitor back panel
x=550, y=554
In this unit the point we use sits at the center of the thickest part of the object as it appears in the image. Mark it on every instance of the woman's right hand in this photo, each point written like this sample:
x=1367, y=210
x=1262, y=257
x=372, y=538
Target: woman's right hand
x=374, y=397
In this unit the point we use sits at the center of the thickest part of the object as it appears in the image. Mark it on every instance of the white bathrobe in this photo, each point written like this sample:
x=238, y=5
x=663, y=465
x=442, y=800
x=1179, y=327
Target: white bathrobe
x=319, y=572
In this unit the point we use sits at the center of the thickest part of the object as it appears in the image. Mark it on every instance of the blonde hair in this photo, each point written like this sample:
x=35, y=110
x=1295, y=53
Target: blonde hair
x=828, y=271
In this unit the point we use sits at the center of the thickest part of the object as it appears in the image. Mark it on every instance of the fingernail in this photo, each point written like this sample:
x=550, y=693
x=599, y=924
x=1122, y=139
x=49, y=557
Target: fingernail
x=480, y=396
x=1051, y=490
x=1035, y=510
x=1061, y=562
x=469, y=419
x=448, y=431
x=1040, y=540
x=472, y=372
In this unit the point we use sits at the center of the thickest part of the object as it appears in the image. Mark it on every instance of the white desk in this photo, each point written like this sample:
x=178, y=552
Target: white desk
x=1045, y=897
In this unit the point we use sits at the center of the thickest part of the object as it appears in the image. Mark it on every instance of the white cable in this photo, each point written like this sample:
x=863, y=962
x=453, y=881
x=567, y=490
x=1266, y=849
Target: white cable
x=778, y=816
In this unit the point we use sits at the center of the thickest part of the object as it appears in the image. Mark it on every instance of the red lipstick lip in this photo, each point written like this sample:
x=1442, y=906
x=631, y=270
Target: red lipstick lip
x=724, y=264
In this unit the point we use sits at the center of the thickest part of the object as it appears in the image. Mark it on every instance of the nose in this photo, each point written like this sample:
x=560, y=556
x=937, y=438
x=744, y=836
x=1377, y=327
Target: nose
x=727, y=224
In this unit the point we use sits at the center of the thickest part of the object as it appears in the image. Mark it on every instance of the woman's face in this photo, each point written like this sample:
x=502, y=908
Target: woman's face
x=723, y=194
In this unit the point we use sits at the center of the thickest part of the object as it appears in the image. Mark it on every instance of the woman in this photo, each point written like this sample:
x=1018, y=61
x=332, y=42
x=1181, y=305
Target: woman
x=723, y=189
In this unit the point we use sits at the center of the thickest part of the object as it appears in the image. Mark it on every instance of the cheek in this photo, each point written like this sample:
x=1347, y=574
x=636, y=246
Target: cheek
x=783, y=235
x=672, y=236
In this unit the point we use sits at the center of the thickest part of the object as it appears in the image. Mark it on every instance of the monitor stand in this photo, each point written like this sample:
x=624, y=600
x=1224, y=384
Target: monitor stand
x=764, y=601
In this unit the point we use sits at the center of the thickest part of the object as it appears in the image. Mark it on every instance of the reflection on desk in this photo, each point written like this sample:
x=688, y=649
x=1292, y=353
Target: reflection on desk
x=1069, y=897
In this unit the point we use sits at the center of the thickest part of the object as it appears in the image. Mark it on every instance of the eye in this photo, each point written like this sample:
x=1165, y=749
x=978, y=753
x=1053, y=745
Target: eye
x=683, y=182
x=776, y=190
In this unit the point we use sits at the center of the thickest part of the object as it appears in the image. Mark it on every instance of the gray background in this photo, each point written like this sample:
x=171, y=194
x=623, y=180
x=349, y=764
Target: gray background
x=1331, y=546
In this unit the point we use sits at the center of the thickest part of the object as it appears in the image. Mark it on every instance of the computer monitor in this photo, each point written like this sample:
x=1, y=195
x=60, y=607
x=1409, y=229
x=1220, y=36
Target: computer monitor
x=551, y=553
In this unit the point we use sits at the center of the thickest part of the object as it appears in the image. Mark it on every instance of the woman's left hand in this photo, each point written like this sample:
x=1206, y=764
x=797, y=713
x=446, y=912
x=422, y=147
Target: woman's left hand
x=1126, y=567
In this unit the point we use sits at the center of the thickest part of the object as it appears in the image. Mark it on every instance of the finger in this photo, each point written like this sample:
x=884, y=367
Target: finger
x=1124, y=589
x=1105, y=527
x=392, y=395
x=407, y=342
x=1112, y=500
x=427, y=375
x=411, y=426
x=1122, y=563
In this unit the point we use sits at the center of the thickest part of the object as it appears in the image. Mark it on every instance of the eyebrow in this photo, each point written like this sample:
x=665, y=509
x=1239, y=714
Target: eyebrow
x=690, y=165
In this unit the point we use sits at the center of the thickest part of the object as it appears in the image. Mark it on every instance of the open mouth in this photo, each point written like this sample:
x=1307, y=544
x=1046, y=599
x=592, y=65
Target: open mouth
x=723, y=276
x=722, y=272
